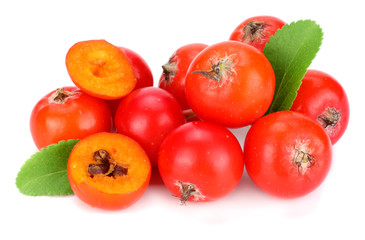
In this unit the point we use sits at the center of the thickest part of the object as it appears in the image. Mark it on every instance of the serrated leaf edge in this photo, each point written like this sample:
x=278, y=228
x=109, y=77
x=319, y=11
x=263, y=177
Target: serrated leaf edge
x=309, y=63
x=50, y=147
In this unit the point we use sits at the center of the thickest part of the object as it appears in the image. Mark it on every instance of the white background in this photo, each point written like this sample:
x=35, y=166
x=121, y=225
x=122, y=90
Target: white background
x=35, y=37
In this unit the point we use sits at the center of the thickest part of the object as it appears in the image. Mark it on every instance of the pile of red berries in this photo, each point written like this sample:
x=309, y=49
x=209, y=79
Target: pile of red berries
x=129, y=128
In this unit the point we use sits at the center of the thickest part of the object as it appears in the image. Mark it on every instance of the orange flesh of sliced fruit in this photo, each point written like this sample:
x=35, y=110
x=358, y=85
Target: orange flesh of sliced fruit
x=123, y=150
x=100, y=69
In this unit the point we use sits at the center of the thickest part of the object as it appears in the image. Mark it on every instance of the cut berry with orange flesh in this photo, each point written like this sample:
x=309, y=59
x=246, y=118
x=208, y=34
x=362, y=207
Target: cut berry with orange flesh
x=108, y=170
x=100, y=69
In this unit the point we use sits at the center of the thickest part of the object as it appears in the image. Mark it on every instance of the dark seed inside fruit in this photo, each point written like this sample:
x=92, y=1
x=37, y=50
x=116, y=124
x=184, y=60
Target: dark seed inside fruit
x=105, y=165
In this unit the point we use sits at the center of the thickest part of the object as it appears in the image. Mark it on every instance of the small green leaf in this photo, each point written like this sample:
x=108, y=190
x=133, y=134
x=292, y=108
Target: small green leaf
x=45, y=172
x=291, y=51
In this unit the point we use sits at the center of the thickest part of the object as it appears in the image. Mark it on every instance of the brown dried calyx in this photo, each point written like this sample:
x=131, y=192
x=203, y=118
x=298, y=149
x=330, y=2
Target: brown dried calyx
x=220, y=70
x=106, y=165
x=59, y=96
x=254, y=30
x=170, y=69
x=302, y=160
x=329, y=117
x=188, y=190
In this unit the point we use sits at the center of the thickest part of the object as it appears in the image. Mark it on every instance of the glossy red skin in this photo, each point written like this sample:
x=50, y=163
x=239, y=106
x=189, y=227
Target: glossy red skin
x=273, y=24
x=142, y=72
x=318, y=92
x=98, y=197
x=269, y=150
x=204, y=154
x=140, y=67
x=238, y=101
x=80, y=116
x=176, y=84
x=147, y=115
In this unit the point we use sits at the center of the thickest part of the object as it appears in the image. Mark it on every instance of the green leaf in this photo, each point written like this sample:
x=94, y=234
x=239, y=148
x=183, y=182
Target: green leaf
x=291, y=51
x=45, y=172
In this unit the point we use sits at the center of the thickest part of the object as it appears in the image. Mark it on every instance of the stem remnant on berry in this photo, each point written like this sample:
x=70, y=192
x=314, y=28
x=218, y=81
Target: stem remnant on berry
x=329, y=117
x=59, y=96
x=188, y=190
x=170, y=69
x=302, y=159
x=221, y=70
x=254, y=30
